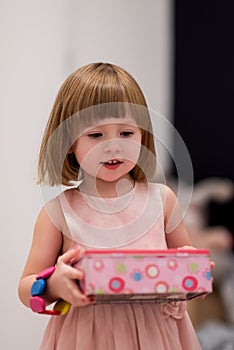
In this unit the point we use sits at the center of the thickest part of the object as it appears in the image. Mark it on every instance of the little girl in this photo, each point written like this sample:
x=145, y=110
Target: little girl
x=99, y=132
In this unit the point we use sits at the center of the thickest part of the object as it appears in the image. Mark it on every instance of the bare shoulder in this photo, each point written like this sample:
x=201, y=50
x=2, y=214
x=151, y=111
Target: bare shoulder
x=46, y=218
x=169, y=197
x=53, y=219
x=170, y=204
x=46, y=230
x=176, y=233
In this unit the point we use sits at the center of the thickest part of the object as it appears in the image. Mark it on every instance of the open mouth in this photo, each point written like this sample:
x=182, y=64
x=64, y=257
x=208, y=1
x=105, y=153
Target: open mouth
x=112, y=164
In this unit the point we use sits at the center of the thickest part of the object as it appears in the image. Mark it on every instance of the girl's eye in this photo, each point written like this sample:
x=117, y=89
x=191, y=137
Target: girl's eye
x=95, y=135
x=126, y=133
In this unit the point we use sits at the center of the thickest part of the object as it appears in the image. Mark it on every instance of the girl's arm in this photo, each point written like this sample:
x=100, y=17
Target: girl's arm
x=175, y=230
x=45, y=249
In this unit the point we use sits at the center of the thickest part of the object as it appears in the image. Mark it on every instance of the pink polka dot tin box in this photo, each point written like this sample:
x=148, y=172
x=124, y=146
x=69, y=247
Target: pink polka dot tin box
x=145, y=275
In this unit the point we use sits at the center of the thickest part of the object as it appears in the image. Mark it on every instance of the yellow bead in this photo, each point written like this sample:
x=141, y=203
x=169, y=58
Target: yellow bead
x=62, y=306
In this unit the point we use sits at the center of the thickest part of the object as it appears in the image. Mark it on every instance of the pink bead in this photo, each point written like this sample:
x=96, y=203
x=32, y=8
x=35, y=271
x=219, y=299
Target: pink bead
x=46, y=273
x=37, y=304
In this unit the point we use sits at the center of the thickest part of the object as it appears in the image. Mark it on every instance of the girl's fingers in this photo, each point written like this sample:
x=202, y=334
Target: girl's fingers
x=69, y=274
x=75, y=274
x=66, y=262
x=212, y=264
x=186, y=247
x=75, y=245
x=71, y=256
x=77, y=298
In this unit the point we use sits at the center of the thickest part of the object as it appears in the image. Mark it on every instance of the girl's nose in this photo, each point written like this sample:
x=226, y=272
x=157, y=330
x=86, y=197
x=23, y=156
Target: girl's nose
x=112, y=146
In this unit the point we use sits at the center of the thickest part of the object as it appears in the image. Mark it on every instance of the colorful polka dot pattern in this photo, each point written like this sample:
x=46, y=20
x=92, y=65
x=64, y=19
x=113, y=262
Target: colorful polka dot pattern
x=147, y=274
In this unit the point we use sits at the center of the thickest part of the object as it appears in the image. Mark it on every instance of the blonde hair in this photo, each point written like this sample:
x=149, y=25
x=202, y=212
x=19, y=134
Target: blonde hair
x=92, y=85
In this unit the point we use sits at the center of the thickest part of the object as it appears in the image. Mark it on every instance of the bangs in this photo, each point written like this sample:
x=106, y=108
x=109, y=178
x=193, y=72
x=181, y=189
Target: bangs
x=89, y=117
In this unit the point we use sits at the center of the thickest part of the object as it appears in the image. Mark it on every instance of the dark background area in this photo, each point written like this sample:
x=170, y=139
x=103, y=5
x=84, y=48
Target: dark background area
x=204, y=92
x=204, y=84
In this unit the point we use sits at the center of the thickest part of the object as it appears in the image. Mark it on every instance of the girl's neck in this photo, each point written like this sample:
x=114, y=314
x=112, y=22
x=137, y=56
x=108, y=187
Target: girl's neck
x=99, y=188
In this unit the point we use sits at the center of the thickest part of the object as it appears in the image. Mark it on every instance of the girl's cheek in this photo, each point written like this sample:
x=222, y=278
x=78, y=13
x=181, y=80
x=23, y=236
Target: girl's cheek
x=133, y=151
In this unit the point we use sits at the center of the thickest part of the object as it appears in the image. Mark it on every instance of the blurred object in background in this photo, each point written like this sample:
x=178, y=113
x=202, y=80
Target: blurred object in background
x=216, y=336
x=203, y=116
x=209, y=227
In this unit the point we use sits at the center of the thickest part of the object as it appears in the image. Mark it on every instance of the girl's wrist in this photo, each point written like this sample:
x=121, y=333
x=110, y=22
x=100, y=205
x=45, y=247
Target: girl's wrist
x=51, y=293
x=39, y=295
x=37, y=300
x=42, y=286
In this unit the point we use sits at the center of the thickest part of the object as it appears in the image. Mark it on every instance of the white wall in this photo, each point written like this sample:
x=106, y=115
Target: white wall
x=41, y=43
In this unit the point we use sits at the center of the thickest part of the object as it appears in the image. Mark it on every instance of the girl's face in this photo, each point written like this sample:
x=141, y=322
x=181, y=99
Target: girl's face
x=109, y=150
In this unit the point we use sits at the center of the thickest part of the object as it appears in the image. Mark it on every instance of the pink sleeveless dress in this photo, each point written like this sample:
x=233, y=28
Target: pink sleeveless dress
x=133, y=326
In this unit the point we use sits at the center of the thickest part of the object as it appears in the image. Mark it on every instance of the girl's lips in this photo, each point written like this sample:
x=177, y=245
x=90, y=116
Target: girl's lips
x=112, y=164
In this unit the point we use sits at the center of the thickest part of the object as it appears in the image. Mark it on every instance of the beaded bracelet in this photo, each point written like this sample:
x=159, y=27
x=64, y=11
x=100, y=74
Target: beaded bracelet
x=37, y=303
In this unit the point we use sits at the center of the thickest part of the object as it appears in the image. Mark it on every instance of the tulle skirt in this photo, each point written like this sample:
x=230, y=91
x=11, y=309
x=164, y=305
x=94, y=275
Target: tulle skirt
x=133, y=326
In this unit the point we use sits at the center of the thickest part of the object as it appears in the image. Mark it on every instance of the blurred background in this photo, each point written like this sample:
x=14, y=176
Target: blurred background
x=181, y=55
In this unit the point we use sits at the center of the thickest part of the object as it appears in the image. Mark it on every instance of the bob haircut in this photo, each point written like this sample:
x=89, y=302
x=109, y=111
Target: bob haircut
x=101, y=87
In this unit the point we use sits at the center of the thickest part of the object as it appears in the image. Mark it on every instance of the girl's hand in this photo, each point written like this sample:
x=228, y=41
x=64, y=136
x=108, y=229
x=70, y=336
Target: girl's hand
x=186, y=247
x=63, y=283
x=212, y=263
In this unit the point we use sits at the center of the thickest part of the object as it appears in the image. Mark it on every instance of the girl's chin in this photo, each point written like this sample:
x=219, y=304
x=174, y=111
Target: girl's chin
x=109, y=179
x=104, y=178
